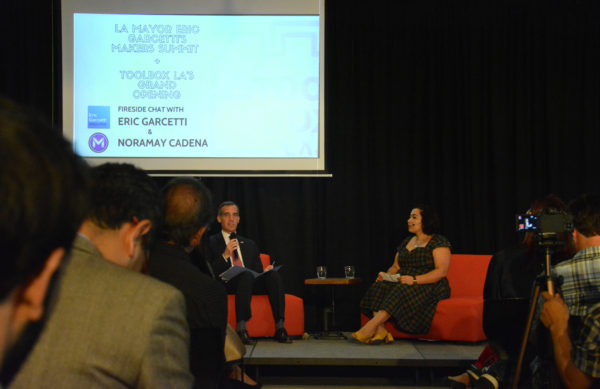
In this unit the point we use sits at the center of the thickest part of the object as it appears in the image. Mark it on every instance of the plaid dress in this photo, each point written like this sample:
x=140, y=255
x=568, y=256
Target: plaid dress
x=411, y=306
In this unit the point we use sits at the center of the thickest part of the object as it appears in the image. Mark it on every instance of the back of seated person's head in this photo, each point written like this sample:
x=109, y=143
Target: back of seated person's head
x=550, y=202
x=123, y=194
x=188, y=210
x=44, y=200
x=586, y=214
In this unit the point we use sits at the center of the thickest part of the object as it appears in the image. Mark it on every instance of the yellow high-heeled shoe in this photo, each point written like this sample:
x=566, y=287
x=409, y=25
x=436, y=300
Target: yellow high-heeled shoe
x=379, y=338
x=362, y=338
x=388, y=338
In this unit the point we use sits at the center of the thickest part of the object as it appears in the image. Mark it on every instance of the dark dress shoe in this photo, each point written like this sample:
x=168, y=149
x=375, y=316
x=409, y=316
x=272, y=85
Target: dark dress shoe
x=243, y=334
x=492, y=376
x=281, y=336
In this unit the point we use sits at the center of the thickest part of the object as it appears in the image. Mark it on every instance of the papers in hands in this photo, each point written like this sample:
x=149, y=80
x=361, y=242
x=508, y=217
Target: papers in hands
x=389, y=277
x=234, y=271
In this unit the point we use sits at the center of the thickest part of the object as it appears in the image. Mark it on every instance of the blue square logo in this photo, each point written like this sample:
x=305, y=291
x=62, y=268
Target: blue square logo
x=98, y=116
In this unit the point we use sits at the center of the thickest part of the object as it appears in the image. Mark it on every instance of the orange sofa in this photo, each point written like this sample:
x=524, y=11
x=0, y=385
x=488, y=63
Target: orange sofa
x=459, y=318
x=262, y=324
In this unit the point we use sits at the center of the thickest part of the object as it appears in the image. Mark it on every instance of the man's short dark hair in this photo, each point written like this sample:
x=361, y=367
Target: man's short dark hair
x=121, y=192
x=225, y=204
x=586, y=214
x=188, y=208
x=43, y=194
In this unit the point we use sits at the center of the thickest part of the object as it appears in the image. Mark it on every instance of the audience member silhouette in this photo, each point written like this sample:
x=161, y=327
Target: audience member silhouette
x=188, y=210
x=108, y=326
x=44, y=200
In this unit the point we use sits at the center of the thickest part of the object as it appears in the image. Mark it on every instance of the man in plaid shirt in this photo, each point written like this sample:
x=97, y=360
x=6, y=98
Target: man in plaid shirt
x=578, y=366
x=578, y=363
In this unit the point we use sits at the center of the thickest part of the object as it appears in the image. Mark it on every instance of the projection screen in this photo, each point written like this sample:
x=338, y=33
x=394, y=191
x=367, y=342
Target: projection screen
x=199, y=87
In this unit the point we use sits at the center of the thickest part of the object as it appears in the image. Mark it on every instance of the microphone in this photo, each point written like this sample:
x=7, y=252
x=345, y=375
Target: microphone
x=235, y=252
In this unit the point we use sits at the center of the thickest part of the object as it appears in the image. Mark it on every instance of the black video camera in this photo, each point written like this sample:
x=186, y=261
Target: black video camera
x=546, y=224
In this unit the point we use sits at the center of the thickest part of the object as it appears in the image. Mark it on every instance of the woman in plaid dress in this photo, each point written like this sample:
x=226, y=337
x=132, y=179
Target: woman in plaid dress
x=418, y=282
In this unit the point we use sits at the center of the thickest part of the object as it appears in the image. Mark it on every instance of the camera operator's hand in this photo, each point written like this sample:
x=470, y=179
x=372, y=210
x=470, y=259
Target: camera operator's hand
x=555, y=313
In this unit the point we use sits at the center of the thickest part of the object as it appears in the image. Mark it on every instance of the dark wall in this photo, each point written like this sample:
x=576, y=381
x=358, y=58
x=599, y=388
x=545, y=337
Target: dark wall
x=475, y=107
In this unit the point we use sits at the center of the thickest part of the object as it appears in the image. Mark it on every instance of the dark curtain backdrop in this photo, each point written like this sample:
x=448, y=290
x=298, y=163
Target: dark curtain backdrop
x=476, y=107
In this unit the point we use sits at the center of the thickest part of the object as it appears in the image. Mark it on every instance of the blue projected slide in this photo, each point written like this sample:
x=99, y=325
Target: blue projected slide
x=233, y=86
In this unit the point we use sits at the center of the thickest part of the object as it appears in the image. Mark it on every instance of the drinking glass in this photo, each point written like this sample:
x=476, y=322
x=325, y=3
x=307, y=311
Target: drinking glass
x=349, y=271
x=321, y=272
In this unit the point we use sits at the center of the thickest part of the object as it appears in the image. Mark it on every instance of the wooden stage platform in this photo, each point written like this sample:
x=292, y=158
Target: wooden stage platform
x=329, y=362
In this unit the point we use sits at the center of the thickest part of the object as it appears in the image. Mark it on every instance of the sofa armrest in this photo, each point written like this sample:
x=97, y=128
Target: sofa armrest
x=265, y=259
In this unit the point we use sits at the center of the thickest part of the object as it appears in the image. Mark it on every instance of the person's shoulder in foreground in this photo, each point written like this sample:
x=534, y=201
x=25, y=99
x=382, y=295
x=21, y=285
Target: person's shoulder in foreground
x=109, y=326
x=44, y=199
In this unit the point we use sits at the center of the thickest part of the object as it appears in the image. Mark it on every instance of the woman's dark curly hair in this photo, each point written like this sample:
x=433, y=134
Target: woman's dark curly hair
x=429, y=219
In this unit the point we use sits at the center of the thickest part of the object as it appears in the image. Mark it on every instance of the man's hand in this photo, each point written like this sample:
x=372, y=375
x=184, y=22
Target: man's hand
x=229, y=249
x=268, y=268
x=555, y=316
x=555, y=313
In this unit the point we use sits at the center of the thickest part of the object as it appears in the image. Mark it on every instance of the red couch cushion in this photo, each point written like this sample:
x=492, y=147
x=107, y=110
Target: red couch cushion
x=265, y=259
x=262, y=324
x=466, y=274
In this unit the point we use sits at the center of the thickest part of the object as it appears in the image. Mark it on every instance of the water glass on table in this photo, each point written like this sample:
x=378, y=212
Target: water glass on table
x=321, y=272
x=349, y=271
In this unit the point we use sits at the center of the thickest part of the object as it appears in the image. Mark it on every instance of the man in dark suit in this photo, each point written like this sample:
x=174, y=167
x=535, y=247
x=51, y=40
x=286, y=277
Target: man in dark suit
x=227, y=249
x=188, y=210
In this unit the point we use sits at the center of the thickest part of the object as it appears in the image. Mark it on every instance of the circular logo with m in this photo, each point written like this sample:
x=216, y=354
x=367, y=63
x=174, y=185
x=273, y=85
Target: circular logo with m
x=98, y=142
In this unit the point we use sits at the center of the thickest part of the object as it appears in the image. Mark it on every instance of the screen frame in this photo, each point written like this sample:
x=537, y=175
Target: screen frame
x=166, y=166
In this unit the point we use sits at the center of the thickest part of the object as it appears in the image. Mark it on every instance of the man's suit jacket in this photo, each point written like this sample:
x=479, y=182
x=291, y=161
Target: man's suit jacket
x=206, y=304
x=109, y=327
x=249, y=250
